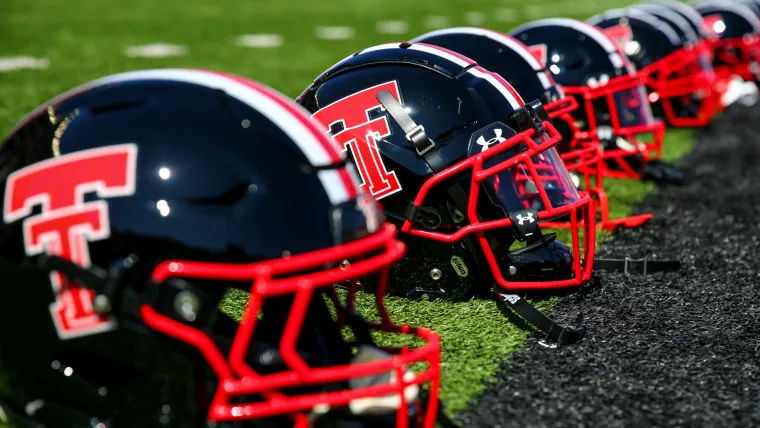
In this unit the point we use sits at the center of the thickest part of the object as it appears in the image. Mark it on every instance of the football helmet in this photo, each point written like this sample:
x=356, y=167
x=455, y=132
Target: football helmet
x=707, y=40
x=615, y=110
x=511, y=59
x=737, y=48
x=682, y=83
x=707, y=37
x=133, y=205
x=441, y=141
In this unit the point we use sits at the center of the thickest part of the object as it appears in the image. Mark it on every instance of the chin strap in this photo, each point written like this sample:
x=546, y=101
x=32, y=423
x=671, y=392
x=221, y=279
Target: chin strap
x=415, y=133
x=559, y=334
x=662, y=172
x=109, y=286
x=636, y=266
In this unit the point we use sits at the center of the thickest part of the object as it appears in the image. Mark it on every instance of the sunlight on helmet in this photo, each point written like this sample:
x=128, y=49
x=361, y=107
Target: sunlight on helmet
x=165, y=173
x=163, y=208
x=632, y=48
x=719, y=26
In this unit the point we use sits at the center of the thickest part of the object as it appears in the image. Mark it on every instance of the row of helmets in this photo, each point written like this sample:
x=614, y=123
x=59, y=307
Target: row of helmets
x=135, y=204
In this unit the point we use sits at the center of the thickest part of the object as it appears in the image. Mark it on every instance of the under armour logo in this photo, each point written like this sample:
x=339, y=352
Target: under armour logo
x=522, y=219
x=511, y=298
x=495, y=140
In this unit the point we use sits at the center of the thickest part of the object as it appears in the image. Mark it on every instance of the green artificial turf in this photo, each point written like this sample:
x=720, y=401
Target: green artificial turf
x=85, y=39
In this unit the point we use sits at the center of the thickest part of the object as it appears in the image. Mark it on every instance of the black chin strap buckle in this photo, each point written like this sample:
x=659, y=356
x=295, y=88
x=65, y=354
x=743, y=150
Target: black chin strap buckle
x=530, y=116
x=636, y=266
x=418, y=137
x=427, y=217
x=559, y=334
x=415, y=133
x=419, y=293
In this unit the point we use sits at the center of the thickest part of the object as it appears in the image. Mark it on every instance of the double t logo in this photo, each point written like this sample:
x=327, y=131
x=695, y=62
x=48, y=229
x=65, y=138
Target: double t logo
x=67, y=223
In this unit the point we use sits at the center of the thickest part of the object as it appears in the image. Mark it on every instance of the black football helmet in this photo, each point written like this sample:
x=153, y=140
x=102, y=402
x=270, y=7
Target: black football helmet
x=467, y=169
x=523, y=72
x=615, y=111
x=707, y=41
x=692, y=17
x=737, y=48
x=682, y=82
x=132, y=205
x=707, y=37
x=511, y=59
x=441, y=141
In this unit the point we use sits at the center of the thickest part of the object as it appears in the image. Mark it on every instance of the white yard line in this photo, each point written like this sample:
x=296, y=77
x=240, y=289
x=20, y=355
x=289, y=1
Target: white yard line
x=13, y=63
x=392, y=27
x=535, y=11
x=475, y=18
x=334, y=33
x=155, y=50
x=436, y=21
x=507, y=14
x=259, y=40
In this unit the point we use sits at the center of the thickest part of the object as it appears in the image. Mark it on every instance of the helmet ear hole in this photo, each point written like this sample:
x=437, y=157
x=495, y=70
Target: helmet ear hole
x=448, y=269
x=186, y=302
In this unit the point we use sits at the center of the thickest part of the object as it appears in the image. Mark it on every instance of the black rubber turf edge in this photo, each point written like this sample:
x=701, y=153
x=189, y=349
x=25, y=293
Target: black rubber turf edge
x=676, y=349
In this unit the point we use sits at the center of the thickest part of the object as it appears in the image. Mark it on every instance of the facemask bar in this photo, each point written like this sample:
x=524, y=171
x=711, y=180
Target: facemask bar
x=286, y=276
x=585, y=159
x=561, y=106
x=562, y=109
x=477, y=227
x=740, y=55
x=646, y=150
x=680, y=74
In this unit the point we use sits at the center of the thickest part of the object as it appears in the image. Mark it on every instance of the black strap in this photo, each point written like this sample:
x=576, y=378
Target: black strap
x=93, y=278
x=559, y=334
x=414, y=133
x=525, y=225
x=427, y=217
x=636, y=266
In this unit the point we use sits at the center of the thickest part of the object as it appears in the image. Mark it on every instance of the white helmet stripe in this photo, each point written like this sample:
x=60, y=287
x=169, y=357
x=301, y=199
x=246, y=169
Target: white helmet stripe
x=513, y=44
x=581, y=26
x=500, y=84
x=292, y=119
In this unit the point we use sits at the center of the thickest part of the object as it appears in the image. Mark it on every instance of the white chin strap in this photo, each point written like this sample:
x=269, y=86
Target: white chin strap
x=745, y=93
x=626, y=145
x=374, y=405
x=384, y=404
